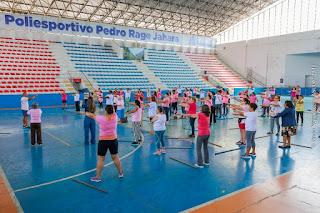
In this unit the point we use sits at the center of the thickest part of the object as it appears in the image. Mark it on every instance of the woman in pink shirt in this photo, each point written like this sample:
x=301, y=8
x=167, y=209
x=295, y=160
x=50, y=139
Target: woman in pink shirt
x=293, y=93
x=35, y=124
x=136, y=119
x=253, y=98
x=266, y=102
x=159, y=94
x=107, y=140
x=207, y=101
x=64, y=99
x=298, y=92
x=100, y=99
x=192, y=110
x=165, y=104
x=183, y=100
x=174, y=99
x=203, y=134
x=225, y=101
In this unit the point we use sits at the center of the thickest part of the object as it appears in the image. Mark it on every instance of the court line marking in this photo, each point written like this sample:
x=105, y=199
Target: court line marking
x=178, y=147
x=5, y=133
x=82, y=173
x=11, y=192
x=263, y=136
x=90, y=185
x=183, y=162
x=56, y=138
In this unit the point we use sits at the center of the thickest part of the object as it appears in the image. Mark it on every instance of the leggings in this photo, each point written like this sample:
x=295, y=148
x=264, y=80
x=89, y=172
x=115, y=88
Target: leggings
x=192, y=120
x=166, y=109
x=202, y=139
x=213, y=115
x=300, y=113
x=174, y=106
x=266, y=109
x=159, y=137
x=225, y=109
x=136, y=130
x=250, y=139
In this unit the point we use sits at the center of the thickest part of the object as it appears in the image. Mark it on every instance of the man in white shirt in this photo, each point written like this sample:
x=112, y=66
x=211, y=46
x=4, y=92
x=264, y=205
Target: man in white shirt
x=109, y=98
x=25, y=108
x=77, y=101
x=86, y=96
x=218, y=104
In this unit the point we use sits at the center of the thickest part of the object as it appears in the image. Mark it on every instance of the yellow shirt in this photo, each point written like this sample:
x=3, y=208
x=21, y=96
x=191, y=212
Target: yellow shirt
x=300, y=106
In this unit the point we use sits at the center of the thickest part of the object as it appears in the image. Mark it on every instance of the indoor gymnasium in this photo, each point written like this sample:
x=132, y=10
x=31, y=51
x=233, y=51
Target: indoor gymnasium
x=202, y=106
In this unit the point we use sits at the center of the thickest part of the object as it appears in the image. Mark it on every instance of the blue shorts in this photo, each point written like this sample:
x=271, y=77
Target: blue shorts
x=64, y=102
x=120, y=113
x=24, y=113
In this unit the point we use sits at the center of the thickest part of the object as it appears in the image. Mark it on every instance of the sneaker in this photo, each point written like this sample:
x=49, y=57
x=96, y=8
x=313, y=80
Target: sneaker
x=239, y=142
x=253, y=154
x=23, y=126
x=207, y=164
x=163, y=151
x=245, y=156
x=95, y=179
x=121, y=175
x=40, y=144
x=278, y=134
x=135, y=143
x=158, y=152
x=27, y=127
x=243, y=144
x=33, y=145
x=191, y=136
x=140, y=140
x=270, y=133
x=196, y=165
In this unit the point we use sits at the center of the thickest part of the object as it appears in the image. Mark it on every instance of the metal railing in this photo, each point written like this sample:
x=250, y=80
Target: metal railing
x=256, y=77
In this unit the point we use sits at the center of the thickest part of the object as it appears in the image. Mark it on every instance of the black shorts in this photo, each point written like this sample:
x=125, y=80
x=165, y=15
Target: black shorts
x=64, y=102
x=104, y=145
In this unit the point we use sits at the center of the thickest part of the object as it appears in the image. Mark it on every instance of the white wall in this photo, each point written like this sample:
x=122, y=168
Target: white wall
x=267, y=56
x=298, y=66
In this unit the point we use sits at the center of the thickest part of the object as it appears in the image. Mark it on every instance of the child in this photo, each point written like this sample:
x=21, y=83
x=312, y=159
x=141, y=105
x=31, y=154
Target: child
x=288, y=124
x=299, y=108
x=251, y=128
x=159, y=128
x=275, y=109
x=35, y=122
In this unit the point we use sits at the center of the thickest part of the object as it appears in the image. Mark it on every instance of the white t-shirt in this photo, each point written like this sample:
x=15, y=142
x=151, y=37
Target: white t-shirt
x=148, y=94
x=24, y=103
x=202, y=94
x=76, y=97
x=128, y=94
x=274, y=110
x=218, y=99
x=109, y=101
x=115, y=99
x=86, y=95
x=152, y=108
x=160, y=124
x=251, y=121
x=179, y=90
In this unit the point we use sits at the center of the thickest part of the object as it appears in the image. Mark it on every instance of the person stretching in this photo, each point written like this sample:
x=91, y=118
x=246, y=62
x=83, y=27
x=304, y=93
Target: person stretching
x=25, y=108
x=136, y=118
x=203, y=134
x=35, y=122
x=89, y=123
x=192, y=109
x=107, y=140
x=159, y=128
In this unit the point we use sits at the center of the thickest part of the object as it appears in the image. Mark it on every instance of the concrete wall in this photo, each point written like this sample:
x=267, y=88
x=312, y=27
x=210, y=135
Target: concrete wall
x=267, y=56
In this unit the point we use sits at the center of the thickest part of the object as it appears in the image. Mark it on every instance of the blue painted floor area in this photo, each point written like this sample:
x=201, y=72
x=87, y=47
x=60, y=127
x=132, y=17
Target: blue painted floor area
x=151, y=183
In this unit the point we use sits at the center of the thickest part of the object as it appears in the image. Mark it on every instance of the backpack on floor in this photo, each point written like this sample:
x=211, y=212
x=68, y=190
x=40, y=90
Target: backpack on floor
x=124, y=120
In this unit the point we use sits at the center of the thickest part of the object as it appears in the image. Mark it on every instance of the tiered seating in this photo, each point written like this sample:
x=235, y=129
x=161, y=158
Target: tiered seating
x=103, y=65
x=27, y=65
x=208, y=62
x=172, y=70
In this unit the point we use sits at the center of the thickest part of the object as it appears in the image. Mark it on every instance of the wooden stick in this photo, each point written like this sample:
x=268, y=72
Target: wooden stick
x=215, y=144
x=263, y=136
x=231, y=150
x=184, y=162
x=309, y=147
x=4, y=133
x=90, y=185
x=234, y=128
x=178, y=147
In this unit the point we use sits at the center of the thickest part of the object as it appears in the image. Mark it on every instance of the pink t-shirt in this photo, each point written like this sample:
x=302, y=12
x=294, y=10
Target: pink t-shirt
x=158, y=94
x=203, y=124
x=35, y=115
x=136, y=116
x=272, y=91
x=293, y=94
x=174, y=98
x=225, y=99
x=253, y=99
x=108, y=128
x=298, y=92
x=192, y=108
x=167, y=103
x=64, y=96
x=187, y=93
x=99, y=95
x=209, y=103
x=266, y=101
